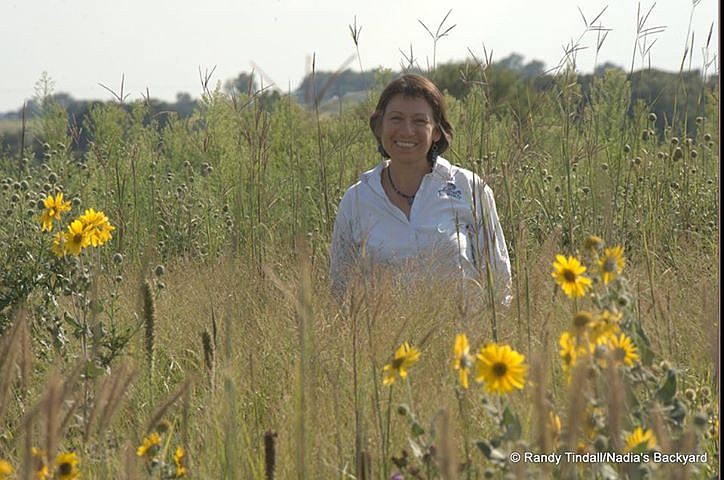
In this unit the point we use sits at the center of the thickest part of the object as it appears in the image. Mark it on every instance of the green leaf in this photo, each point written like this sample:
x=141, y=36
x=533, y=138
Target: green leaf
x=511, y=424
x=491, y=453
x=416, y=429
x=667, y=392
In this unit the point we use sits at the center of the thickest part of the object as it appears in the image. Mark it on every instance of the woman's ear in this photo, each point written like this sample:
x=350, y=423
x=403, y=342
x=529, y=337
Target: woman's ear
x=436, y=134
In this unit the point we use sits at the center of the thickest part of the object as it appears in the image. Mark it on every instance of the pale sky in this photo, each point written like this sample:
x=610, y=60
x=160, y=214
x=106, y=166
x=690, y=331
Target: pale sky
x=162, y=44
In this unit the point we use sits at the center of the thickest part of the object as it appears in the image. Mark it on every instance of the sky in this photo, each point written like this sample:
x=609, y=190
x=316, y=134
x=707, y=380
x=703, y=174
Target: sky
x=161, y=46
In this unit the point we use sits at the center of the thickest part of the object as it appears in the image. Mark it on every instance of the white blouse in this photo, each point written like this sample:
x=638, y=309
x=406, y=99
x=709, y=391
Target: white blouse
x=452, y=231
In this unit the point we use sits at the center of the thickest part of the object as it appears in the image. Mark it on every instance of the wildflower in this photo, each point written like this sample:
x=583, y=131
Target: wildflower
x=567, y=352
x=463, y=360
x=554, y=423
x=404, y=357
x=97, y=227
x=568, y=274
x=54, y=207
x=623, y=350
x=611, y=263
x=5, y=469
x=179, y=458
x=66, y=465
x=592, y=242
x=149, y=445
x=59, y=245
x=39, y=466
x=640, y=438
x=502, y=368
x=604, y=327
x=76, y=238
x=582, y=319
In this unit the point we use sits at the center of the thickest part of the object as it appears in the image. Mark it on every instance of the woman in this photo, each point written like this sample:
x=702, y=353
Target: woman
x=415, y=212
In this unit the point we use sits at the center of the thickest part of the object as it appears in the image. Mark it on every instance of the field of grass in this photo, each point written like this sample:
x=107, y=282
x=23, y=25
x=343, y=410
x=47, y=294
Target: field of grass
x=205, y=322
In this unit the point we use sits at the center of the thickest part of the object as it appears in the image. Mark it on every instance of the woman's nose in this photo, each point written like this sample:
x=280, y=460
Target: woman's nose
x=408, y=127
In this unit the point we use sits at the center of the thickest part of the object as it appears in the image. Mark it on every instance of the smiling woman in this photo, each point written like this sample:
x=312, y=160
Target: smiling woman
x=415, y=212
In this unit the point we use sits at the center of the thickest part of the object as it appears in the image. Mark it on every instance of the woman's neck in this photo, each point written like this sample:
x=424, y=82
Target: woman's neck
x=408, y=176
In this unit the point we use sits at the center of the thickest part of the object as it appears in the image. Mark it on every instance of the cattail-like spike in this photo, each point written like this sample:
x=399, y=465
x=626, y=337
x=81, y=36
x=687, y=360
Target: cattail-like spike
x=149, y=320
x=208, y=355
x=270, y=452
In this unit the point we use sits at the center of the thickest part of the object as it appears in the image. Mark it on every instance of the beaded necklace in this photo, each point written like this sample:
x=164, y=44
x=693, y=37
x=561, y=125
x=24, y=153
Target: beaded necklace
x=409, y=198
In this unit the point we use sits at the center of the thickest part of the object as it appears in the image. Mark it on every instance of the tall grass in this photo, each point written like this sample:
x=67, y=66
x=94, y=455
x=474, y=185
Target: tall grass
x=238, y=202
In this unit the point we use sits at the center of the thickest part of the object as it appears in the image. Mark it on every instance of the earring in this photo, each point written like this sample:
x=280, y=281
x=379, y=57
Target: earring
x=432, y=156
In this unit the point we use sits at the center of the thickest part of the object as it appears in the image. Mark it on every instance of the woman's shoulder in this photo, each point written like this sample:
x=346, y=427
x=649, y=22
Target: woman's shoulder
x=363, y=187
x=462, y=176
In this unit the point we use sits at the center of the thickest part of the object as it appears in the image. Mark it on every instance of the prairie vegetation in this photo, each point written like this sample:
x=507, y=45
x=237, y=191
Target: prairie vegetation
x=200, y=338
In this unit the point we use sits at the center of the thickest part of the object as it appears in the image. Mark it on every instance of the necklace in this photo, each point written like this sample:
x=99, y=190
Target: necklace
x=409, y=198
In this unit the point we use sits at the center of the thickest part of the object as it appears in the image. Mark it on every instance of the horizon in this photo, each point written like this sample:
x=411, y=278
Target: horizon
x=181, y=40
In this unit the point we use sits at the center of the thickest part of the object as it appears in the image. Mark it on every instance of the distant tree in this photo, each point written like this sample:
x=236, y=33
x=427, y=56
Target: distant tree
x=243, y=83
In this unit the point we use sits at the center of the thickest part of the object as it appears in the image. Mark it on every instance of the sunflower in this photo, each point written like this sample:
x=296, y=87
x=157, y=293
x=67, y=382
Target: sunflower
x=463, y=361
x=53, y=208
x=501, y=368
x=59, y=244
x=568, y=274
x=404, y=357
x=611, y=263
x=76, y=238
x=5, y=469
x=640, y=439
x=604, y=326
x=623, y=350
x=39, y=466
x=97, y=226
x=179, y=458
x=149, y=445
x=66, y=466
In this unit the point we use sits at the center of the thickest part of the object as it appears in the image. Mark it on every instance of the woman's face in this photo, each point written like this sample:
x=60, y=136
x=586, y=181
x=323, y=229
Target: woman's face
x=408, y=129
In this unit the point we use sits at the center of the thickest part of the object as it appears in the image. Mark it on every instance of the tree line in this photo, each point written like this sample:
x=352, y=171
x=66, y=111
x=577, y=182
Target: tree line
x=511, y=84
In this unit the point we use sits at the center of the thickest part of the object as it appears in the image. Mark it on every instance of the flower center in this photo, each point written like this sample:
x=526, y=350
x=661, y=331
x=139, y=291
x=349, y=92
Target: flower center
x=500, y=369
x=619, y=354
x=65, y=468
x=610, y=265
x=569, y=275
x=78, y=238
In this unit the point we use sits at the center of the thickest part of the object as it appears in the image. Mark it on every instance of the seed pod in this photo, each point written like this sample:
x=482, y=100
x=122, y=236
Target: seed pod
x=694, y=154
x=645, y=135
x=678, y=154
x=674, y=141
x=627, y=148
x=652, y=117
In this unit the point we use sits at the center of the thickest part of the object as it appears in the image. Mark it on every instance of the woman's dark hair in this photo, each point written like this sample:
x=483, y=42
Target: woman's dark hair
x=414, y=86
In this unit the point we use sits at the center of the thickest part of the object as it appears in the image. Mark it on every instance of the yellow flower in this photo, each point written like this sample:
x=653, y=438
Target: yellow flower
x=463, y=361
x=593, y=242
x=59, y=244
x=149, y=445
x=39, y=466
x=5, y=469
x=604, y=327
x=640, y=438
x=611, y=263
x=76, y=238
x=66, y=466
x=97, y=227
x=554, y=423
x=179, y=457
x=404, y=357
x=53, y=208
x=623, y=350
x=501, y=368
x=568, y=274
